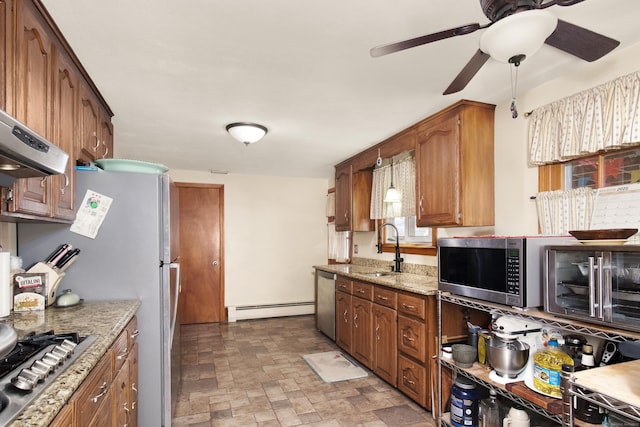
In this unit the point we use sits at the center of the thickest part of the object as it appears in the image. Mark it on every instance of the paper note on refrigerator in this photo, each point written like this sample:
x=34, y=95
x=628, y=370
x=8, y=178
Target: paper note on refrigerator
x=91, y=214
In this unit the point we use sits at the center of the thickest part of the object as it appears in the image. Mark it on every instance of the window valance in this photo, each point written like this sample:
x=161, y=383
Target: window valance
x=600, y=118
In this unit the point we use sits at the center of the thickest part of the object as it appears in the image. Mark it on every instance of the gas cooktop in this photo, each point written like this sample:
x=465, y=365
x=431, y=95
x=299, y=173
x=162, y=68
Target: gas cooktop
x=33, y=364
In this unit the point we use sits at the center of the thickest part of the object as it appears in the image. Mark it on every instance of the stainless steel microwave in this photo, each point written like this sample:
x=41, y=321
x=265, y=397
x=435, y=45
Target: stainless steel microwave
x=502, y=269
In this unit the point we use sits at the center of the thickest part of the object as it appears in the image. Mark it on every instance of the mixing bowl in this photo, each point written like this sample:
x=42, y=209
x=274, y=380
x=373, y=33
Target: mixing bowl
x=507, y=357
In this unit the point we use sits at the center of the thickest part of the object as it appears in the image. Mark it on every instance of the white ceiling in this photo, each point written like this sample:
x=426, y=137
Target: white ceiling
x=175, y=73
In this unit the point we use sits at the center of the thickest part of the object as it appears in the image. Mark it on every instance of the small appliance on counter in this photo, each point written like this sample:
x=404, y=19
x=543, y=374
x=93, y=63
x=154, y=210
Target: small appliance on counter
x=511, y=348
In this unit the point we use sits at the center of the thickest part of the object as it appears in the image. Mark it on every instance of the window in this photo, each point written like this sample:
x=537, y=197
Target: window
x=408, y=231
x=614, y=168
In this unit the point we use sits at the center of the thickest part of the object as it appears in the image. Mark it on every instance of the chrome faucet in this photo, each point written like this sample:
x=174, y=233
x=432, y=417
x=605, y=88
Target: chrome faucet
x=398, y=259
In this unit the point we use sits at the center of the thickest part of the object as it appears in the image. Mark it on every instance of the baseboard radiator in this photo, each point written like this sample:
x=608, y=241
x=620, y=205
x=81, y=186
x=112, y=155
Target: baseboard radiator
x=269, y=310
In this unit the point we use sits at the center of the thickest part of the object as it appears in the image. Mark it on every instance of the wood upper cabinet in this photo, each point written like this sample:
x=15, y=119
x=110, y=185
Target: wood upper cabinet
x=455, y=167
x=96, y=134
x=33, y=64
x=353, y=199
x=43, y=85
x=344, y=188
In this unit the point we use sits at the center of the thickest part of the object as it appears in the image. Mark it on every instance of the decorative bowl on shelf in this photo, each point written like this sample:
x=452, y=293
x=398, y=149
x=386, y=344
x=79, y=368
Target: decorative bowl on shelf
x=611, y=234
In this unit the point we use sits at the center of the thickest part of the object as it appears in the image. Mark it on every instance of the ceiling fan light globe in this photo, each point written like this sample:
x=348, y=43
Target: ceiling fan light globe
x=246, y=132
x=522, y=33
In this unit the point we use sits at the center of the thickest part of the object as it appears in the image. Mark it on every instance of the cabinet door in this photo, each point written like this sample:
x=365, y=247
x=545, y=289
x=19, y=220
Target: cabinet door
x=412, y=380
x=133, y=385
x=89, y=125
x=94, y=392
x=121, y=397
x=344, y=197
x=64, y=417
x=412, y=338
x=105, y=150
x=343, y=321
x=361, y=344
x=33, y=62
x=384, y=343
x=65, y=108
x=438, y=173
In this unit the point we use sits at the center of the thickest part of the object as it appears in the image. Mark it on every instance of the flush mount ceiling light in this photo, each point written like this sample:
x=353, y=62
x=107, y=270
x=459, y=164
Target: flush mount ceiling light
x=246, y=132
x=518, y=34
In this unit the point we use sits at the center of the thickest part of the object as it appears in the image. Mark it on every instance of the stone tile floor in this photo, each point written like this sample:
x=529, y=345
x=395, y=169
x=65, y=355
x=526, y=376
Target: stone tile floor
x=251, y=373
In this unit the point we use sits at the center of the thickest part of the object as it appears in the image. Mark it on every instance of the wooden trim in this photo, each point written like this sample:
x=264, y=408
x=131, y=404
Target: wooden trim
x=550, y=177
x=411, y=249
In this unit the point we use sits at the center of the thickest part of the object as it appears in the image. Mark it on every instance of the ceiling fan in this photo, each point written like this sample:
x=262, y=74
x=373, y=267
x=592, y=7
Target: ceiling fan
x=517, y=29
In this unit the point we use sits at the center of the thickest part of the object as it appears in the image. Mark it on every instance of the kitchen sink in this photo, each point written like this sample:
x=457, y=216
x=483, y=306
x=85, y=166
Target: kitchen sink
x=379, y=273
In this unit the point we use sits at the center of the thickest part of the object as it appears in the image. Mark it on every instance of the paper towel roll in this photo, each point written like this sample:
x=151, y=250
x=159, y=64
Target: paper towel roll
x=5, y=284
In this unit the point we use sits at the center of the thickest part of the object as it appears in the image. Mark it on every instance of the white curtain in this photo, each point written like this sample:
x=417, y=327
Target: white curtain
x=404, y=180
x=337, y=244
x=563, y=210
x=600, y=118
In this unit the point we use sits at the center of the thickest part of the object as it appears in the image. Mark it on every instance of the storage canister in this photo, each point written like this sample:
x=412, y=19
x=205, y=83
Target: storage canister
x=464, y=403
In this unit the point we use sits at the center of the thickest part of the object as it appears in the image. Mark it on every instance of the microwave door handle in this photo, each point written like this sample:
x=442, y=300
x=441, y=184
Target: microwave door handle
x=592, y=287
x=601, y=286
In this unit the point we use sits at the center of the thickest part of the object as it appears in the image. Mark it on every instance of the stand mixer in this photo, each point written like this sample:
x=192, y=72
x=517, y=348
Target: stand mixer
x=512, y=328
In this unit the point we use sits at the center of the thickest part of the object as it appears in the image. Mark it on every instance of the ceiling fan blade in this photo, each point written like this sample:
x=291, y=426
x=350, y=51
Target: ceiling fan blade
x=467, y=73
x=580, y=42
x=419, y=41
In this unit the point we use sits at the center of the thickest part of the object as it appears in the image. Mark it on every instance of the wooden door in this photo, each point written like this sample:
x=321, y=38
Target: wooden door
x=201, y=253
x=385, y=357
x=437, y=174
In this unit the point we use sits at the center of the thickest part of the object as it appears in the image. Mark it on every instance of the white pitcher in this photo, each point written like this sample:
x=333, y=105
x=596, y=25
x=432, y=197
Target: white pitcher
x=516, y=417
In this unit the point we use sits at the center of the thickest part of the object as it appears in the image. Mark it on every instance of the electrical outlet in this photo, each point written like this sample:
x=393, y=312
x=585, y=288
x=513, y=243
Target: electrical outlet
x=355, y=249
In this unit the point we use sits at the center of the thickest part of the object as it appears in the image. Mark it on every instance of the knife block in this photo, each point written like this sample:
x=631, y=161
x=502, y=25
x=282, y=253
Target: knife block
x=53, y=280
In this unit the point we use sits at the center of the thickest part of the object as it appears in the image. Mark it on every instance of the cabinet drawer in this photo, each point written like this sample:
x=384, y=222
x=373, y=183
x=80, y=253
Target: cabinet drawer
x=343, y=284
x=412, y=380
x=132, y=330
x=120, y=349
x=412, y=305
x=412, y=338
x=386, y=297
x=363, y=290
x=94, y=391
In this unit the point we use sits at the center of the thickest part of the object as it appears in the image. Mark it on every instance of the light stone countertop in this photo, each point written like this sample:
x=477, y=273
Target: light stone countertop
x=416, y=283
x=101, y=319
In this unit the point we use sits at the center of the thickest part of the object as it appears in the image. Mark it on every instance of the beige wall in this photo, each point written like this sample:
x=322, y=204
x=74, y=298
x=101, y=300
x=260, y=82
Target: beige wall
x=275, y=231
x=515, y=181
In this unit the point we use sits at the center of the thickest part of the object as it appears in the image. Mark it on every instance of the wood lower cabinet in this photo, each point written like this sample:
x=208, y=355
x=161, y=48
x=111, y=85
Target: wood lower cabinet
x=362, y=321
x=108, y=396
x=344, y=325
x=385, y=359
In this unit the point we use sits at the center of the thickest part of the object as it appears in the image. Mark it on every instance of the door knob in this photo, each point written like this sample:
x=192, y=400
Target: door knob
x=215, y=263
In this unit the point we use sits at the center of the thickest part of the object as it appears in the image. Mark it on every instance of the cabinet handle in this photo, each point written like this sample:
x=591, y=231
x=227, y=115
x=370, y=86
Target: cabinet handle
x=360, y=291
x=43, y=181
x=407, y=380
x=377, y=334
x=103, y=391
x=95, y=147
x=382, y=298
x=106, y=149
x=346, y=214
x=123, y=355
x=408, y=338
x=355, y=320
x=135, y=334
x=408, y=307
x=345, y=317
x=420, y=204
x=63, y=189
x=126, y=412
x=134, y=401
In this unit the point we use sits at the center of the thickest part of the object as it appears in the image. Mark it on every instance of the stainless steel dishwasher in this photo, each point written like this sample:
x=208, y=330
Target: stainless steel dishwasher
x=326, y=303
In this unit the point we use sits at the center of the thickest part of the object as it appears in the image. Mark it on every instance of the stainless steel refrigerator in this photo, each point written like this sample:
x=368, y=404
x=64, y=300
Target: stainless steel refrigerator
x=133, y=256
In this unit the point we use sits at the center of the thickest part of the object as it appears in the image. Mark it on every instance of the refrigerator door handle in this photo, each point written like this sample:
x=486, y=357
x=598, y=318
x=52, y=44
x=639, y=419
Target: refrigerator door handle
x=176, y=266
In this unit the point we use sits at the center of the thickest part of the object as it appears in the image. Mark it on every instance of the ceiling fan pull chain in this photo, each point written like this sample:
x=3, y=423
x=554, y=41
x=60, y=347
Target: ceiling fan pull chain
x=514, y=89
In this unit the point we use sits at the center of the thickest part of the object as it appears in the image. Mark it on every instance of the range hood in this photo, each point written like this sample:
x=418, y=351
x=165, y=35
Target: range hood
x=25, y=154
